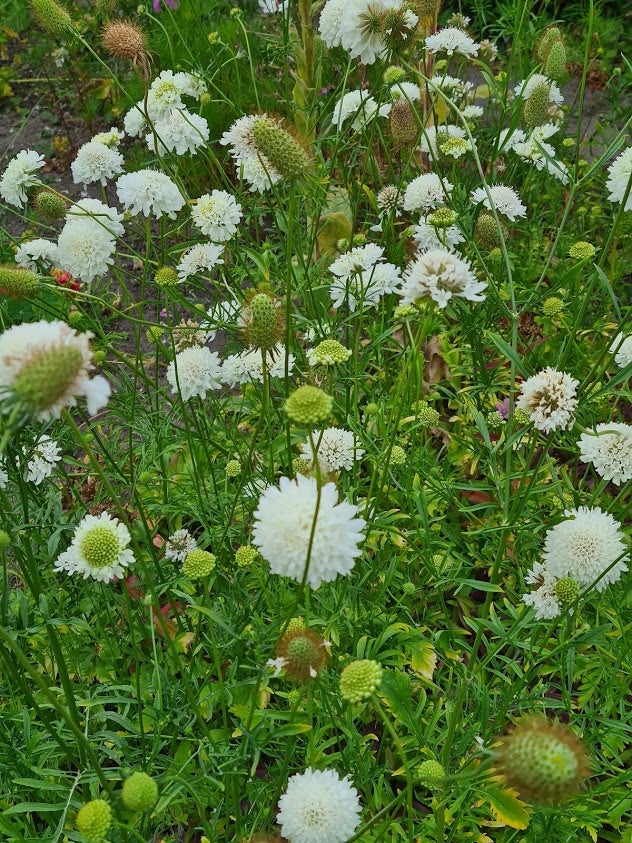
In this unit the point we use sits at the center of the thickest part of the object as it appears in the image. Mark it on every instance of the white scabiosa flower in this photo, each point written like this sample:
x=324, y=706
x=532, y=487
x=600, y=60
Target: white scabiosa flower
x=536, y=151
x=256, y=169
x=41, y=459
x=427, y=191
x=406, y=90
x=203, y=256
x=503, y=198
x=165, y=94
x=195, y=371
x=330, y=22
x=284, y=525
x=619, y=175
x=85, y=250
x=586, y=547
x=179, y=545
x=622, y=350
x=609, y=449
x=247, y=366
x=360, y=106
x=217, y=215
x=4, y=477
x=190, y=84
x=452, y=40
x=149, y=192
x=46, y=365
x=19, y=176
x=135, y=120
x=319, y=807
x=542, y=599
x=357, y=34
x=106, y=219
x=99, y=549
x=37, y=254
x=427, y=236
x=550, y=398
x=111, y=138
x=361, y=275
x=96, y=162
x=432, y=137
x=526, y=88
x=336, y=449
x=440, y=275
x=179, y=131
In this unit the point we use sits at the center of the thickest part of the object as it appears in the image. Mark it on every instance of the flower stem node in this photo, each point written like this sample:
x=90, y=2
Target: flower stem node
x=566, y=590
x=94, y=820
x=198, y=564
x=430, y=773
x=18, y=283
x=360, y=679
x=308, y=405
x=140, y=792
x=51, y=16
x=282, y=150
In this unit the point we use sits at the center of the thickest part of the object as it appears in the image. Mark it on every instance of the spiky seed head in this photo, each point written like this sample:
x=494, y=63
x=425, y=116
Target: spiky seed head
x=124, y=40
x=47, y=376
x=304, y=653
x=555, y=66
x=486, y=232
x=536, y=108
x=263, y=322
x=549, y=38
x=281, y=149
x=51, y=16
x=404, y=125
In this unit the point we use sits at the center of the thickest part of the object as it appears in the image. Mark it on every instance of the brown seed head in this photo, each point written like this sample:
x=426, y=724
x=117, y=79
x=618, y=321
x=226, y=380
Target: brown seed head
x=124, y=40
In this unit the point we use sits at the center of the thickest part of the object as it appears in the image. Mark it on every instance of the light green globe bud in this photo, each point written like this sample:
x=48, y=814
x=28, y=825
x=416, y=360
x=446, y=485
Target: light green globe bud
x=50, y=16
x=398, y=455
x=166, y=276
x=359, y=680
x=94, y=820
x=99, y=357
x=47, y=377
x=409, y=588
x=536, y=108
x=443, y=218
x=328, y=353
x=50, y=205
x=360, y=239
x=393, y=75
x=154, y=333
x=552, y=306
x=430, y=773
x=282, y=150
x=495, y=256
x=300, y=465
x=233, y=468
x=18, y=283
x=100, y=547
x=372, y=409
x=296, y=624
x=522, y=416
x=495, y=420
x=140, y=792
x=426, y=415
x=75, y=317
x=582, y=250
x=245, y=556
x=567, y=590
x=198, y=564
x=293, y=697
x=5, y=540
x=486, y=231
x=308, y=405
x=405, y=311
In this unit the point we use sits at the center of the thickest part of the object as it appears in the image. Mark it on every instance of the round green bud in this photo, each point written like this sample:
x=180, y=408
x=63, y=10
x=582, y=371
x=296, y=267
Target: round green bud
x=393, y=75
x=567, y=590
x=18, y=283
x=233, y=468
x=293, y=697
x=198, y=564
x=154, y=333
x=245, y=556
x=430, y=773
x=296, y=624
x=426, y=415
x=495, y=256
x=522, y=416
x=166, y=276
x=308, y=405
x=75, y=317
x=94, y=820
x=494, y=420
x=50, y=205
x=5, y=540
x=140, y=792
x=99, y=357
x=582, y=250
x=552, y=306
x=328, y=353
x=372, y=409
x=300, y=465
x=409, y=588
x=443, y=218
x=359, y=680
x=405, y=311
x=398, y=455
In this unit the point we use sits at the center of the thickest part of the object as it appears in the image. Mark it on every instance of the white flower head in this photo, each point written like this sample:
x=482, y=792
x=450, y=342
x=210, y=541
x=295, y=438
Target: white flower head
x=284, y=529
x=543, y=598
x=195, y=371
x=99, y=549
x=406, y=90
x=149, y=191
x=427, y=191
x=203, y=256
x=609, y=449
x=550, y=398
x=165, y=94
x=319, y=807
x=135, y=120
x=217, y=215
x=622, y=349
x=4, y=477
x=111, y=138
x=247, y=366
x=362, y=275
x=619, y=175
x=37, y=253
x=452, y=40
x=360, y=106
x=432, y=137
x=47, y=364
x=440, y=275
x=535, y=151
x=357, y=36
x=96, y=162
x=42, y=459
x=106, y=220
x=190, y=84
x=178, y=545
x=19, y=176
x=427, y=237
x=586, y=546
x=329, y=25
x=503, y=198
x=336, y=449
x=85, y=249
x=179, y=131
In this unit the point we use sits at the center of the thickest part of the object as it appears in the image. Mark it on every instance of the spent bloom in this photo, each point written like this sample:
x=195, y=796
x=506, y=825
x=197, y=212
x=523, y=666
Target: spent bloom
x=319, y=807
x=99, y=549
x=217, y=215
x=358, y=33
x=619, y=175
x=284, y=527
x=194, y=371
x=622, y=349
x=550, y=398
x=46, y=365
x=178, y=545
x=42, y=458
x=609, y=449
x=149, y=191
x=452, y=40
x=440, y=275
x=427, y=191
x=586, y=546
x=19, y=176
x=336, y=449
x=433, y=139
x=503, y=198
x=257, y=169
x=96, y=162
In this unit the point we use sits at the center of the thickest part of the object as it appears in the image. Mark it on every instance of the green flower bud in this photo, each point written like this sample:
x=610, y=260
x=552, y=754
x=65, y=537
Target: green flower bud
x=328, y=353
x=140, y=792
x=443, y=218
x=198, y=564
x=522, y=417
x=398, y=455
x=263, y=326
x=486, y=231
x=426, y=415
x=300, y=465
x=409, y=588
x=18, y=283
x=233, y=468
x=392, y=75
x=94, y=820
x=51, y=16
x=567, y=590
x=75, y=317
x=430, y=773
x=308, y=405
x=99, y=357
x=552, y=306
x=50, y=205
x=282, y=150
x=154, y=333
x=359, y=680
x=536, y=108
x=245, y=556
x=494, y=420
x=5, y=540
x=47, y=377
x=166, y=276
x=555, y=66
x=582, y=250
x=405, y=311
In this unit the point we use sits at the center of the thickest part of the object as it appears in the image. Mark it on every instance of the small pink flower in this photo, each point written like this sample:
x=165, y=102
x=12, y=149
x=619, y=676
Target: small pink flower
x=173, y=4
x=503, y=408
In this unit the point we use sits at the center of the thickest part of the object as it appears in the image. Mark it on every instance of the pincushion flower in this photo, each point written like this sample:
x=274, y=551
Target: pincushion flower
x=283, y=528
x=619, y=175
x=440, y=275
x=247, y=366
x=179, y=545
x=586, y=546
x=362, y=275
x=85, y=249
x=149, y=192
x=202, y=256
x=426, y=191
x=621, y=347
x=534, y=150
x=179, y=131
x=99, y=549
x=19, y=176
x=96, y=162
x=36, y=254
x=42, y=459
x=329, y=25
x=451, y=40
x=319, y=807
x=217, y=215
x=107, y=220
x=360, y=106
x=543, y=599
x=432, y=137
x=195, y=371
x=429, y=237
x=358, y=34
x=47, y=365
x=609, y=449
x=336, y=449
x=550, y=398
x=503, y=198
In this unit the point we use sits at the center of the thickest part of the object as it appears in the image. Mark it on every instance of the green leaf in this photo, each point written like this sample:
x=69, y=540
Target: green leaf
x=506, y=807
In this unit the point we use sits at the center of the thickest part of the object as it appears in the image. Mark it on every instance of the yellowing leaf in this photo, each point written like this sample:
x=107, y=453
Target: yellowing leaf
x=506, y=807
x=424, y=660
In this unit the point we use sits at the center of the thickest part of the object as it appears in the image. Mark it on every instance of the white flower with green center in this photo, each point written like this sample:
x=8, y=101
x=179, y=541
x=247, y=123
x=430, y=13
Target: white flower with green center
x=427, y=191
x=179, y=131
x=42, y=459
x=550, y=398
x=504, y=199
x=452, y=40
x=96, y=162
x=217, y=215
x=165, y=93
x=440, y=275
x=336, y=449
x=99, y=549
